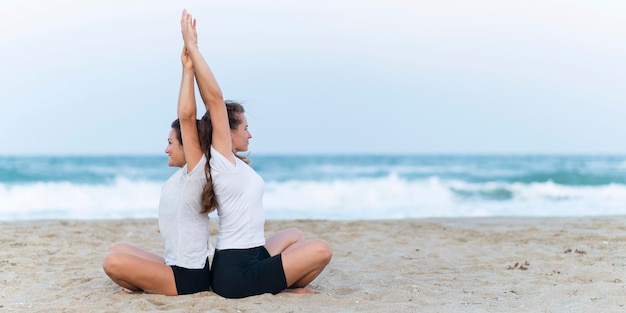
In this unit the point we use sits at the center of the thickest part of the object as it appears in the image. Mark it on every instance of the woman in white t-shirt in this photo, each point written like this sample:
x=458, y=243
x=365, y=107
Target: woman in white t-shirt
x=186, y=200
x=244, y=263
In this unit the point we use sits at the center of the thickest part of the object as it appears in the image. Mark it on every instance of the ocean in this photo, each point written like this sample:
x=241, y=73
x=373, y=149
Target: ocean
x=342, y=187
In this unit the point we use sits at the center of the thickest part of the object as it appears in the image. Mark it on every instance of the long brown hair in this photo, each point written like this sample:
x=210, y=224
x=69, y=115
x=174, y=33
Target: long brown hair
x=205, y=134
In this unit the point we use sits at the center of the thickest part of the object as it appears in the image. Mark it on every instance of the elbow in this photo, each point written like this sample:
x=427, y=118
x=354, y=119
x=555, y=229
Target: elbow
x=187, y=115
x=215, y=98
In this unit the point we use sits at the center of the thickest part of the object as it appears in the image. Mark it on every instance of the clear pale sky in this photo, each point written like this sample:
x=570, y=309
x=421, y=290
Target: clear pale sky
x=485, y=76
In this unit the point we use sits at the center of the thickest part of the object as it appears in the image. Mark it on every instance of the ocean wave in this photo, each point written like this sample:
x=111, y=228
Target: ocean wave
x=122, y=198
x=391, y=196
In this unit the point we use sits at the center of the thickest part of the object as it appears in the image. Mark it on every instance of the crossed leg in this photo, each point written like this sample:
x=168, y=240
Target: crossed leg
x=136, y=269
x=302, y=260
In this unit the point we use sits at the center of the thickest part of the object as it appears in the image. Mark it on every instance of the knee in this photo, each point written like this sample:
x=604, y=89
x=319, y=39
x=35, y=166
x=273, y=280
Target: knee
x=111, y=264
x=295, y=235
x=119, y=247
x=323, y=250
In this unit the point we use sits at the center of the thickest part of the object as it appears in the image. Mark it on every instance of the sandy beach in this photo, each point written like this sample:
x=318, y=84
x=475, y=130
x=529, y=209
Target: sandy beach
x=422, y=265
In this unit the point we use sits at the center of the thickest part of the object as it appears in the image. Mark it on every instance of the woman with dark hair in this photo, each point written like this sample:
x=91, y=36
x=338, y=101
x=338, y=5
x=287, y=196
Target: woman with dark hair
x=244, y=263
x=186, y=200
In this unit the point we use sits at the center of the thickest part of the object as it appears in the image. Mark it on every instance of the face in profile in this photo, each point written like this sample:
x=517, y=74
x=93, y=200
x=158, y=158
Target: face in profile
x=241, y=135
x=174, y=150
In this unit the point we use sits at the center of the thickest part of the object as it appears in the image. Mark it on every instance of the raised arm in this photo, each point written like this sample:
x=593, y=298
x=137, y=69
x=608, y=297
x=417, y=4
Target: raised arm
x=209, y=89
x=187, y=114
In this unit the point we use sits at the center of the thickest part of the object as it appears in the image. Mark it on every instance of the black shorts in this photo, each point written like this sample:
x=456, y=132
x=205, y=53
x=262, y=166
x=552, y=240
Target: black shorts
x=239, y=273
x=190, y=281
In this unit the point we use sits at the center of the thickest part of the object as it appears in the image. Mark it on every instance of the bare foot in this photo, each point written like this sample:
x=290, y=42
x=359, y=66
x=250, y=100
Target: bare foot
x=125, y=291
x=300, y=291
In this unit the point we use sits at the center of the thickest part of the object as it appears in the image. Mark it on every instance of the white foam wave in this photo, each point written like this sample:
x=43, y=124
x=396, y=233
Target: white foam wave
x=123, y=198
x=390, y=197
x=393, y=197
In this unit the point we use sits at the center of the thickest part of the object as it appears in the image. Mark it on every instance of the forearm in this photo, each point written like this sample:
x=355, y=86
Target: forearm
x=207, y=84
x=186, y=97
x=209, y=89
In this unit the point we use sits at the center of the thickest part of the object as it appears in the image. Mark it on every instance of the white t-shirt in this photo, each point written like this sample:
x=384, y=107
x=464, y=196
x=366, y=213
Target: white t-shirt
x=184, y=230
x=239, y=192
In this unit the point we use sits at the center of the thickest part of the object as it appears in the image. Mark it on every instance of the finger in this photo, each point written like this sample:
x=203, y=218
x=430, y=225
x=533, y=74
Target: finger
x=184, y=17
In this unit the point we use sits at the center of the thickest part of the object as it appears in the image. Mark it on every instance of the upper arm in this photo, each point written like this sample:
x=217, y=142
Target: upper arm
x=191, y=142
x=187, y=117
x=214, y=102
x=221, y=140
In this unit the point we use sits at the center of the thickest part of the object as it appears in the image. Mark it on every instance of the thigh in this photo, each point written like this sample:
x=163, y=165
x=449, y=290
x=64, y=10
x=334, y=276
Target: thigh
x=149, y=276
x=136, y=251
x=283, y=240
x=306, y=258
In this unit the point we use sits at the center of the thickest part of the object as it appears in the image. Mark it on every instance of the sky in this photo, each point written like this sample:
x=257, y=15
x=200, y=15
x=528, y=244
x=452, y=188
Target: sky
x=320, y=77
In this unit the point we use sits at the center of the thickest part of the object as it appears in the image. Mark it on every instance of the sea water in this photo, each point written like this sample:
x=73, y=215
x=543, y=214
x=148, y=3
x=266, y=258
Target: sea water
x=342, y=187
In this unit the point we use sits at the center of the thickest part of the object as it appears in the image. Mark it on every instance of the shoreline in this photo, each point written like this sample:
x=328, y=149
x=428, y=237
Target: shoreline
x=481, y=264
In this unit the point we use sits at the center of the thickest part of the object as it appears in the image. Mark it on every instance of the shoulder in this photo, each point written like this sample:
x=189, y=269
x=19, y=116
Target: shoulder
x=197, y=170
x=221, y=162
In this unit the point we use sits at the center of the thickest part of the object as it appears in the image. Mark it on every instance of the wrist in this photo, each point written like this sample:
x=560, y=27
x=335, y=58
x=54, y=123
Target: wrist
x=191, y=46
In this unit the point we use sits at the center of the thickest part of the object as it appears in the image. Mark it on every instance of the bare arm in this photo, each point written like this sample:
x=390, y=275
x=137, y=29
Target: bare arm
x=187, y=114
x=209, y=90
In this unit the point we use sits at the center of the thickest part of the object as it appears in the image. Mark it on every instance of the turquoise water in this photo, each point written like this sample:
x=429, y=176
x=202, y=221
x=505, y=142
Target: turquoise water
x=328, y=187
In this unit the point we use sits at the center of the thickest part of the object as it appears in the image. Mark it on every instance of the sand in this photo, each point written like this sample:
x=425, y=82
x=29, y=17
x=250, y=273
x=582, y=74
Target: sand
x=423, y=265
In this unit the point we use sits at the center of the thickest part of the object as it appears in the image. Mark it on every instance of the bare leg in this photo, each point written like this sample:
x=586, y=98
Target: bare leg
x=302, y=260
x=302, y=263
x=283, y=240
x=133, y=250
x=135, y=269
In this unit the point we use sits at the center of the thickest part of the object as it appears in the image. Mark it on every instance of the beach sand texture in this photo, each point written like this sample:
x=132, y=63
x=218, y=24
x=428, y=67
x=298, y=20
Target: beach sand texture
x=423, y=265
